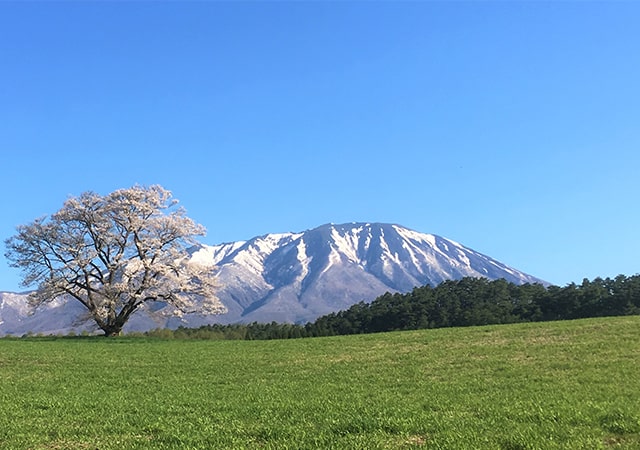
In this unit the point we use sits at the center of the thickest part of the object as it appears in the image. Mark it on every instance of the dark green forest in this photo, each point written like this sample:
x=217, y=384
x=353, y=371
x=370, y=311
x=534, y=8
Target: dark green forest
x=459, y=303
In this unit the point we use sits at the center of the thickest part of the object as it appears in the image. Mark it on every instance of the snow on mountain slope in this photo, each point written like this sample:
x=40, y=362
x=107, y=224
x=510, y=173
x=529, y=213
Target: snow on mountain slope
x=297, y=277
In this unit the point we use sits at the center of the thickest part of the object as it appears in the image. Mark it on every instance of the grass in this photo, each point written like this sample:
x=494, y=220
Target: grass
x=560, y=385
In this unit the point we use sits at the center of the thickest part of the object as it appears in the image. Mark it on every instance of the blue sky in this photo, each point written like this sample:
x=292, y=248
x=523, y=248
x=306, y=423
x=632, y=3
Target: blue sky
x=510, y=127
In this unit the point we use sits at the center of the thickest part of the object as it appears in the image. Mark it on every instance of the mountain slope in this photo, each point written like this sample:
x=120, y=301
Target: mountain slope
x=295, y=277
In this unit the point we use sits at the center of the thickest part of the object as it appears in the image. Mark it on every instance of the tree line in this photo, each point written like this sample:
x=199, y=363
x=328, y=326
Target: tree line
x=455, y=303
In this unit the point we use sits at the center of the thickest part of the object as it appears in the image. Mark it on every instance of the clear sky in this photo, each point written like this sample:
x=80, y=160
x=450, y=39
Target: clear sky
x=510, y=127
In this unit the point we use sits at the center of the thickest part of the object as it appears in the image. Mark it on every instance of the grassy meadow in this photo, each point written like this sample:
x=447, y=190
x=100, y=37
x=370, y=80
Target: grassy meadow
x=556, y=385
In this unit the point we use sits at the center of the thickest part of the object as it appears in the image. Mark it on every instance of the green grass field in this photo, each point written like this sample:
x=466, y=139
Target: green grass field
x=562, y=385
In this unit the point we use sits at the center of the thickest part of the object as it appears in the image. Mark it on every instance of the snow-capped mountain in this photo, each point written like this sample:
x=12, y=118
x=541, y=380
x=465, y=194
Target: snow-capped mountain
x=297, y=277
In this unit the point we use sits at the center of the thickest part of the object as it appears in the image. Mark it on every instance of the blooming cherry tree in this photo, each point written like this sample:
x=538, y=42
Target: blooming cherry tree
x=115, y=253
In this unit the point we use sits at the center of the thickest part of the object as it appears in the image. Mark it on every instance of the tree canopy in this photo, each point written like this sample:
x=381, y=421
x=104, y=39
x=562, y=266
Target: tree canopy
x=115, y=253
x=479, y=301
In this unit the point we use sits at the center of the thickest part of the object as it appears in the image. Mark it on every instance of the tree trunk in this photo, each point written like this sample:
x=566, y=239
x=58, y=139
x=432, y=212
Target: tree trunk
x=112, y=331
x=112, y=326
